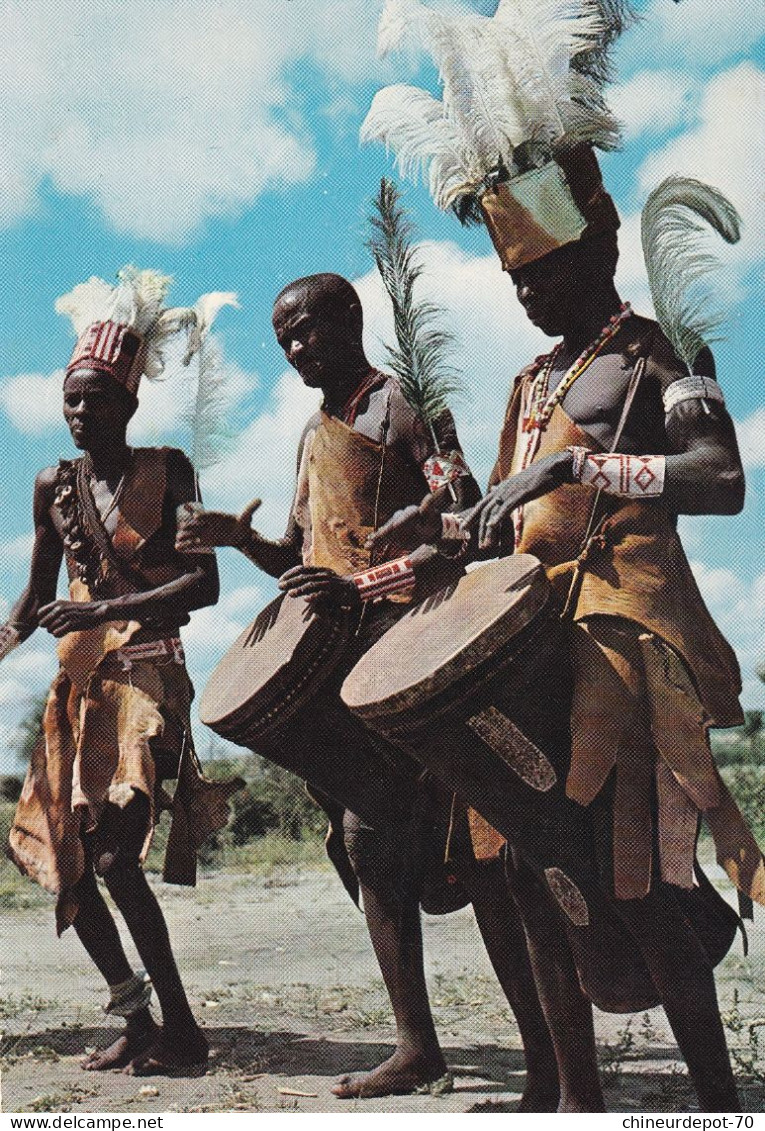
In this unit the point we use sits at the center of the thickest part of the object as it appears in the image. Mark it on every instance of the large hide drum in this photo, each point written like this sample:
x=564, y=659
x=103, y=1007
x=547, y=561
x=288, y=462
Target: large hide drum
x=474, y=683
x=281, y=660
x=276, y=692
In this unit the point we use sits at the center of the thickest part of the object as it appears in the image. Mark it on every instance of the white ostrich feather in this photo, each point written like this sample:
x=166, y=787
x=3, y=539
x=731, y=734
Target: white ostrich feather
x=397, y=23
x=544, y=37
x=426, y=144
x=479, y=89
x=205, y=311
x=532, y=73
x=86, y=303
x=679, y=262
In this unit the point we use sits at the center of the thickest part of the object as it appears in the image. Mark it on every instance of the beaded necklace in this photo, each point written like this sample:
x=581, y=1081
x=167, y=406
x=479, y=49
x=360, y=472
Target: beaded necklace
x=540, y=403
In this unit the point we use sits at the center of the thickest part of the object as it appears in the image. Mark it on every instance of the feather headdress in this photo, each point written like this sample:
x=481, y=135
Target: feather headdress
x=518, y=89
x=128, y=320
x=679, y=262
x=123, y=330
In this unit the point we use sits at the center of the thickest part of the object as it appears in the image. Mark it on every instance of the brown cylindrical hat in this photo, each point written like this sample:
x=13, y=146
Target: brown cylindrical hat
x=533, y=214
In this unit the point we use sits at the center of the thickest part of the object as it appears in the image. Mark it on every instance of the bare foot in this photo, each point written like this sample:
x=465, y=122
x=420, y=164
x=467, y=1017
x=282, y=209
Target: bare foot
x=138, y=1035
x=400, y=1075
x=172, y=1054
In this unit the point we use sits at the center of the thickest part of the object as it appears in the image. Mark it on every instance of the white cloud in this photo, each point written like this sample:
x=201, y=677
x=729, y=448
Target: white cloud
x=32, y=401
x=164, y=114
x=724, y=149
x=652, y=102
x=751, y=439
x=701, y=32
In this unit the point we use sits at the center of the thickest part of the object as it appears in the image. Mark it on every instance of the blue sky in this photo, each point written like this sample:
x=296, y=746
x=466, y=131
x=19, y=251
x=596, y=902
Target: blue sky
x=218, y=142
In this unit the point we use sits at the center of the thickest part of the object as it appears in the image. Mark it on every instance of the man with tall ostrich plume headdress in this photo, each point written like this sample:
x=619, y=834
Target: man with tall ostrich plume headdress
x=606, y=440
x=116, y=722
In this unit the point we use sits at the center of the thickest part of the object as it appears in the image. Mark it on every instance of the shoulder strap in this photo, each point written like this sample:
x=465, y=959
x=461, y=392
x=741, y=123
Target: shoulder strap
x=97, y=531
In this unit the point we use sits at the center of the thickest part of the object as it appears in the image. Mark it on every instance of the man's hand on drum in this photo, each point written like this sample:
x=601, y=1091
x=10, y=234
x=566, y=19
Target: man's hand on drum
x=320, y=586
x=485, y=521
x=203, y=529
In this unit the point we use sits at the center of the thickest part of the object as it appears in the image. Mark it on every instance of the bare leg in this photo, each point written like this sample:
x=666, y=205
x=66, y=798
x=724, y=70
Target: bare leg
x=181, y=1044
x=500, y=926
x=567, y=1011
x=98, y=933
x=391, y=905
x=681, y=972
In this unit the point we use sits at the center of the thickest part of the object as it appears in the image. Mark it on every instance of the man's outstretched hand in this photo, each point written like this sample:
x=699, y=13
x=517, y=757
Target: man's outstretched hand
x=61, y=617
x=484, y=521
x=199, y=530
x=408, y=528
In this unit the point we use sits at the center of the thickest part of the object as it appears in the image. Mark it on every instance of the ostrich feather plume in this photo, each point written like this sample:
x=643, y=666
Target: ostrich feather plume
x=516, y=88
x=679, y=262
x=137, y=300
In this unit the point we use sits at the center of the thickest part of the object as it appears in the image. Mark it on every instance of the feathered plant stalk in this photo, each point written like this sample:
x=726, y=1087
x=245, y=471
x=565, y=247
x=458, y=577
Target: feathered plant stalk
x=419, y=359
x=679, y=262
x=207, y=417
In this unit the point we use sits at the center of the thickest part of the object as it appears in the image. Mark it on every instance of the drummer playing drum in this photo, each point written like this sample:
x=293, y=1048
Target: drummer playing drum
x=365, y=454
x=573, y=486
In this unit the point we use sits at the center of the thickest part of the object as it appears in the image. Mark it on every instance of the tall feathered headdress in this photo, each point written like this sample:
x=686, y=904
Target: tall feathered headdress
x=123, y=330
x=679, y=262
x=522, y=99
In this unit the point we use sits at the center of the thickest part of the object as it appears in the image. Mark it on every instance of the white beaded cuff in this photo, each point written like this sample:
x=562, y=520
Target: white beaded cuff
x=692, y=388
x=10, y=638
x=629, y=476
x=382, y=580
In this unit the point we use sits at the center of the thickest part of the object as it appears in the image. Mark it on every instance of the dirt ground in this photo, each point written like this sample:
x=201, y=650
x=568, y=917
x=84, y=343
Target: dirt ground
x=281, y=974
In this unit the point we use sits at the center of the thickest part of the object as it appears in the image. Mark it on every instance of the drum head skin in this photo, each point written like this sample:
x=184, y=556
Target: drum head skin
x=447, y=636
x=272, y=663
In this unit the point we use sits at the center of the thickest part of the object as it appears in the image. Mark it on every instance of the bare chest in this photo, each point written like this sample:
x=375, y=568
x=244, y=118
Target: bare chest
x=597, y=398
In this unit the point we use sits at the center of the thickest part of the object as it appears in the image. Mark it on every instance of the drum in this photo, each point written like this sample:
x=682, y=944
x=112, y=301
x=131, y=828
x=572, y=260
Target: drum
x=277, y=692
x=281, y=660
x=475, y=684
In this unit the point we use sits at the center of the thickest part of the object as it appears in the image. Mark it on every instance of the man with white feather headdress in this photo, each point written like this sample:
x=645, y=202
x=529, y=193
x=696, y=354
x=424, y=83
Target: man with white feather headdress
x=116, y=722
x=606, y=440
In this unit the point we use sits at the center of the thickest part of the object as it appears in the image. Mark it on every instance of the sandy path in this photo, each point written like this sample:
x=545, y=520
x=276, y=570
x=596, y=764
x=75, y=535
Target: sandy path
x=282, y=976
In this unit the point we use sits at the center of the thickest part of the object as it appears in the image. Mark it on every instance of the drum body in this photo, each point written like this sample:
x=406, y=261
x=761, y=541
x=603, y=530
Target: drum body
x=477, y=686
x=277, y=693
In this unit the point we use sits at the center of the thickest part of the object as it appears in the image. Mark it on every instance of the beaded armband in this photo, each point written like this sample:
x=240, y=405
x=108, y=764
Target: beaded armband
x=692, y=389
x=380, y=581
x=9, y=639
x=440, y=470
x=634, y=477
